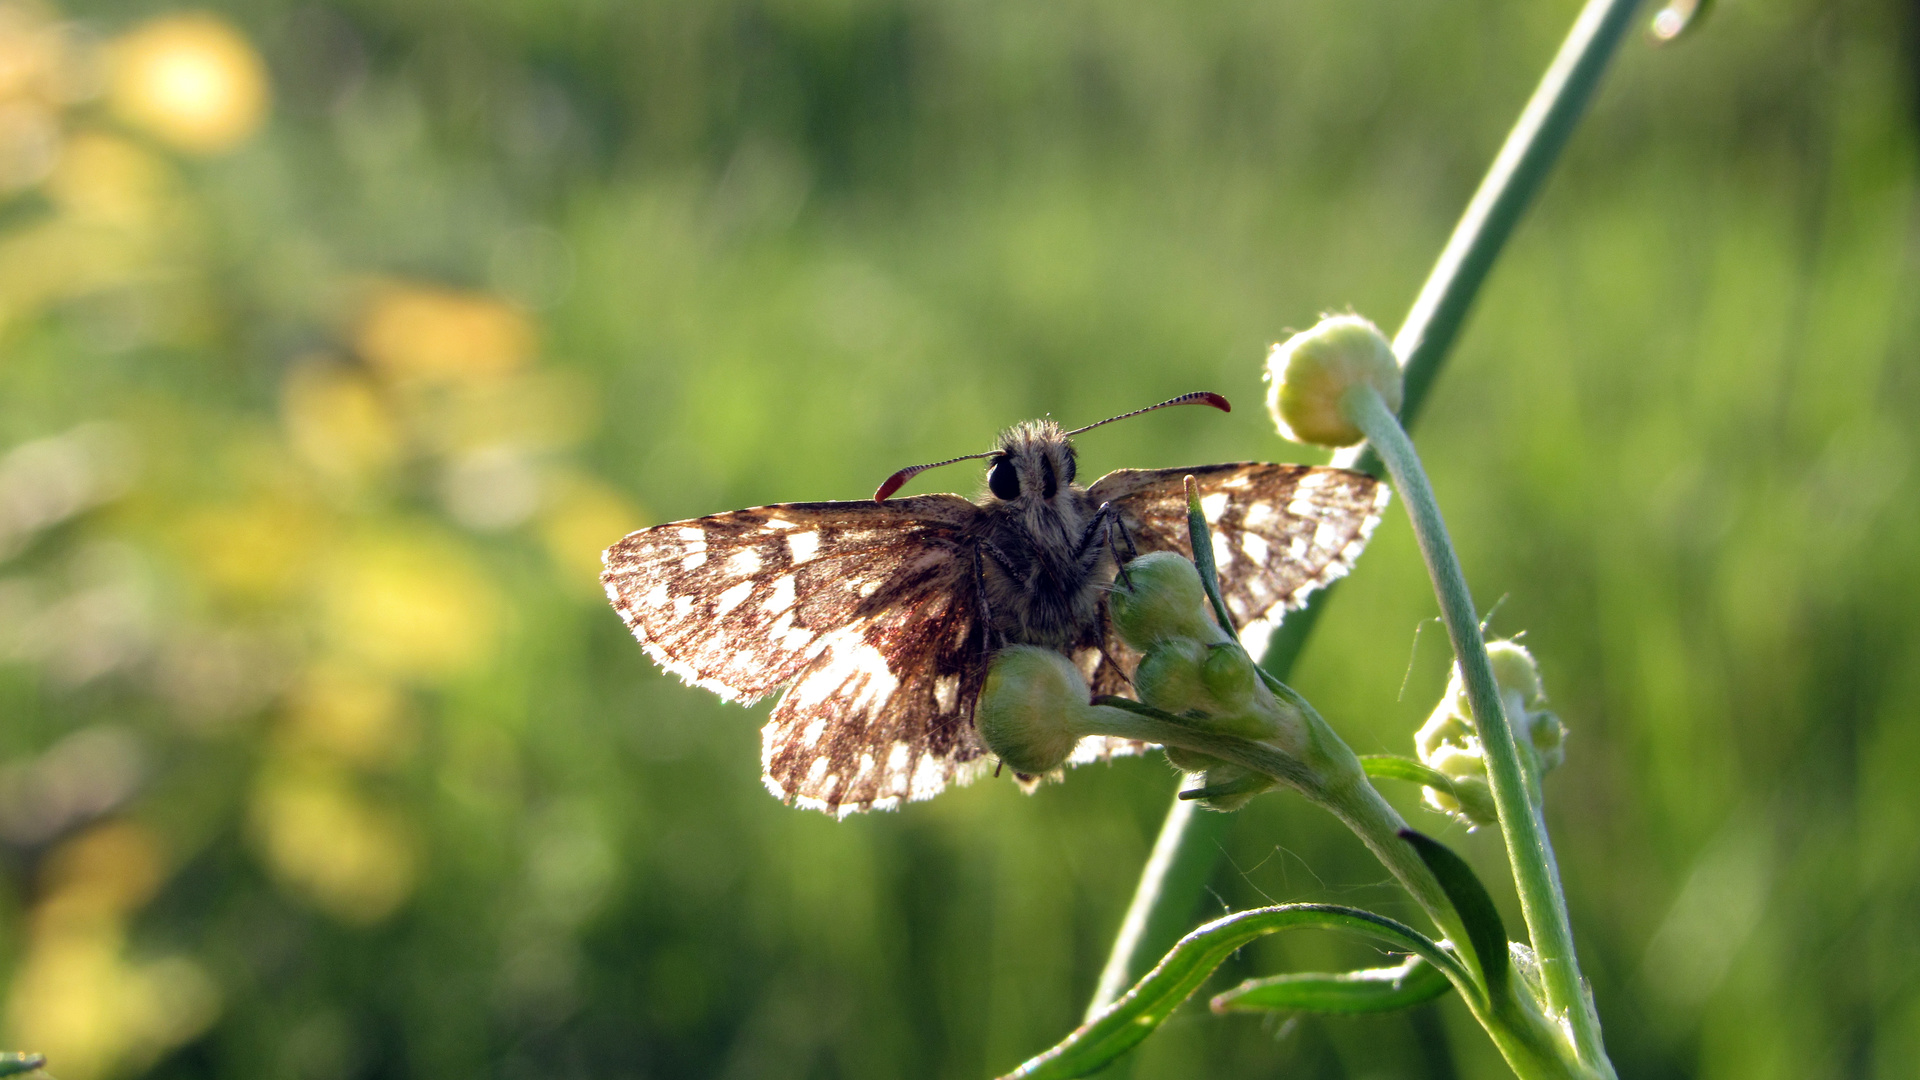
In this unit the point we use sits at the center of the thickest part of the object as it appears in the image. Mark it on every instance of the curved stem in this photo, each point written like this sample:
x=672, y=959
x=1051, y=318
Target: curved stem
x=1528, y=851
x=1424, y=340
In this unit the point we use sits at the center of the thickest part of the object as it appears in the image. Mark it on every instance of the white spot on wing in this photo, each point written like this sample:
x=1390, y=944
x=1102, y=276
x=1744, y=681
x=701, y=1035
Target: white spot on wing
x=782, y=597
x=1213, y=506
x=696, y=560
x=803, y=546
x=928, y=777
x=743, y=562
x=732, y=598
x=1255, y=546
x=946, y=690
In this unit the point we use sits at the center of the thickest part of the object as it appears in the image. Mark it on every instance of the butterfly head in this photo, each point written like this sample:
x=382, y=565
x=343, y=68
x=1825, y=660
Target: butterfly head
x=1035, y=458
x=1034, y=461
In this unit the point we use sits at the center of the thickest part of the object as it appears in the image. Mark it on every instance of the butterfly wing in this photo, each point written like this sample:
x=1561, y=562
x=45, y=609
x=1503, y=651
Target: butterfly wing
x=865, y=611
x=1279, y=531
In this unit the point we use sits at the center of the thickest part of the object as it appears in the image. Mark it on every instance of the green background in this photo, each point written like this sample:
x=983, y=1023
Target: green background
x=774, y=250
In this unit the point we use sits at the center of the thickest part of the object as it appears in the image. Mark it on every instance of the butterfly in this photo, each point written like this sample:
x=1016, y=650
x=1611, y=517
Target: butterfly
x=878, y=618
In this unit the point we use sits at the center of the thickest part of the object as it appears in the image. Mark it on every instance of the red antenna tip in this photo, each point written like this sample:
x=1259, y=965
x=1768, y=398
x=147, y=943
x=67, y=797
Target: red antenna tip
x=892, y=484
x=1216, y=401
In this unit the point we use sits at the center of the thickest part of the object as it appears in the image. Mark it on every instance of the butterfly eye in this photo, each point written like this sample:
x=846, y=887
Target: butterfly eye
x=1002, y=480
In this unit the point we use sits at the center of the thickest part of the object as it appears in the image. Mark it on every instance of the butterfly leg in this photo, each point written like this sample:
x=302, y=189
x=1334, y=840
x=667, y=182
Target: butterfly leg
x=1101, y=528
x=982, y=551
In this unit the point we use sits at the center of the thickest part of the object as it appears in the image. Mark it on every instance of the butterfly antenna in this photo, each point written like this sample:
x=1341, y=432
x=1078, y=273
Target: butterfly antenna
x=893, y=482
x=1198, y=397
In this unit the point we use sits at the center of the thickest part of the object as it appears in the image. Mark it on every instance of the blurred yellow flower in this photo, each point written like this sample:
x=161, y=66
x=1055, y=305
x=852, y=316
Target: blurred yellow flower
x=75, y=995
x=191, y=80
x=108, y=180
x=534, y=410
x=258, y=550
x=349, y=713
x=325, y=842
x=338, y=422
x=426, y=332
x=411, y=606
x=37, y=57
x=113, y=197
x=583, y=518
x=105, y=872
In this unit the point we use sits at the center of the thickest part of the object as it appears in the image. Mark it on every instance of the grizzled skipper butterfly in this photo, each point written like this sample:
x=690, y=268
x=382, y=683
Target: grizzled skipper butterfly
x=879, y=617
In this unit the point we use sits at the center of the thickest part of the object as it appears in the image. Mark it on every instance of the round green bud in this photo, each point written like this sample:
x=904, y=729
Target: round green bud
x=1166, y=601
x=1229, y=675
x=1311, y=371
x=1169, y=677
x=1472, y=798
x=1028, y=706
x=1514, y=669
x=1549, y=738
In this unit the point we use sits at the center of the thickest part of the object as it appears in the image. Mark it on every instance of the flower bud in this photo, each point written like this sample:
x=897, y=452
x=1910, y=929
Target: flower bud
x=1311, y=371
x=1514, y=669
x=1028, y=706
x=1450, y=741
x=1166, y=601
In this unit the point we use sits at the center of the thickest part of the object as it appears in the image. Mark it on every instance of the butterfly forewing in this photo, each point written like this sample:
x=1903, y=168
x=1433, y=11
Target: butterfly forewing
x=1279, y=531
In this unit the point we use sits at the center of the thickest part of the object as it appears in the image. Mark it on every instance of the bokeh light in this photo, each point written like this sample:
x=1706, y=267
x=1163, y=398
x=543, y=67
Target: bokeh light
x=191, y=80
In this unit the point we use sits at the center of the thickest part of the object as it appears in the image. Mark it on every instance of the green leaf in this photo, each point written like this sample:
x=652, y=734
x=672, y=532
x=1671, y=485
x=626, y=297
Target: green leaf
x=1122, y=1025
x=1485, y=932
x=1374, y=990
x=1477, y=801
x=13, y=1064
x=1200, y=539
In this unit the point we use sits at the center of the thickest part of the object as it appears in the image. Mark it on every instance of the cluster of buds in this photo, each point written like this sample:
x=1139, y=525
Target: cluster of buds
x=1192, y=668
x=1035, y=705
x=1449, y=742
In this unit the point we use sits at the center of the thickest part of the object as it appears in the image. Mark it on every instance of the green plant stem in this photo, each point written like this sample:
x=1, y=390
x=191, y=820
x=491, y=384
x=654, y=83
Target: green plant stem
x=1530, y=854
x=1330, y=776
x=1423, y=342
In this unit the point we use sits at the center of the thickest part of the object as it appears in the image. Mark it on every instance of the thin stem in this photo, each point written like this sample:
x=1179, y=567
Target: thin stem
x=1516, y=176
x=1423, y=343
x=1535, y=872
x=1134, y=947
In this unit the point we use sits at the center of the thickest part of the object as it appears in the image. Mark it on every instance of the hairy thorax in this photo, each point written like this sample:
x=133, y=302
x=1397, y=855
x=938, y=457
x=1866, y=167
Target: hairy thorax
x=1042, y=586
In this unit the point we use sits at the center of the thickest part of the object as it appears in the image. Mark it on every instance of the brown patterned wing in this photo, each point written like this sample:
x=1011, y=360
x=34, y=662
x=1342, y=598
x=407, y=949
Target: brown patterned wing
x=1279, y=531
x=865, y=610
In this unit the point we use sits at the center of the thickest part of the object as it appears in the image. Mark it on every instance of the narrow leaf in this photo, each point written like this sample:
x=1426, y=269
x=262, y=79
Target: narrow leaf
x=1188, y=964
x=1485, y=932
x=1374, y=990
x=1200, y=538
x=13, y=1064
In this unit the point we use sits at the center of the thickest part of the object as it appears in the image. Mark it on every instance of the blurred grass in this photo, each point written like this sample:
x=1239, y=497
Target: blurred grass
x=312, y=638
